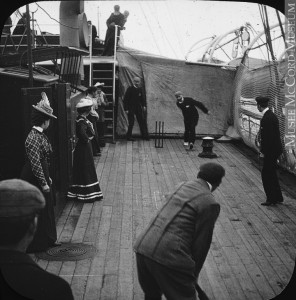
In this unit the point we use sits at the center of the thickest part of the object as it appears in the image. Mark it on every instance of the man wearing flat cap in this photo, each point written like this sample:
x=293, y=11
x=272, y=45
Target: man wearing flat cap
x=20, y=276
x=270, y=149
x=172, y=249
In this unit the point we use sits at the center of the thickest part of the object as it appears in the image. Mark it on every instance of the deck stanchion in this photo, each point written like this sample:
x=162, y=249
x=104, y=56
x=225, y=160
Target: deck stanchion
x=159, y=134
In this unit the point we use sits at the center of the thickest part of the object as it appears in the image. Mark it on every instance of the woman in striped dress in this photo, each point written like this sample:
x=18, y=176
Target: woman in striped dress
x=85, y=185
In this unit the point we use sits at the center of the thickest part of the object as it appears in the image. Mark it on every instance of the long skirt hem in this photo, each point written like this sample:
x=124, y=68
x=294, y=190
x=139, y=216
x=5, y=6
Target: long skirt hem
x=85, y=193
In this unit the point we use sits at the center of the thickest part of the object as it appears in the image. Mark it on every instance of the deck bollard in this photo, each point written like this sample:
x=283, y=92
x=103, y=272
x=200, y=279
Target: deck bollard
x=159, y=133
x=207, y=145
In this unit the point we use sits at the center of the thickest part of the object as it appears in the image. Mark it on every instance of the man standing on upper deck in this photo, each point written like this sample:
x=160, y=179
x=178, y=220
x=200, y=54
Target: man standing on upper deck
x=116, y=18
x=190, y=113
x=270, y=150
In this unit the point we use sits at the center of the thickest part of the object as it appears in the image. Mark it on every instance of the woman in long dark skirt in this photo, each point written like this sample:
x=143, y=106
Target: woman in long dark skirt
x=36, y=171
x=85, y=186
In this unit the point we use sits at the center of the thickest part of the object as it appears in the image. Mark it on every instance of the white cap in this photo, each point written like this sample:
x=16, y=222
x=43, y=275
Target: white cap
x=99, y=84
x=84, y=102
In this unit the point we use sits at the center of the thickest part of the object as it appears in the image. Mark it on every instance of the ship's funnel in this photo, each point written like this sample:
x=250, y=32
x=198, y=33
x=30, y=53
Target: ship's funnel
x=73, y=32
x=69, y=23
x=83, y=31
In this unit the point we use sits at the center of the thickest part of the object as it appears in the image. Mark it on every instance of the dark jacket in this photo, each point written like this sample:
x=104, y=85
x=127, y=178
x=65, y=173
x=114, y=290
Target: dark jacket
x=84, y=129
x=189, y=110
x=270, y=135
x=180, y=235
x=118, y=20
x=134, y=99
x=22, y=278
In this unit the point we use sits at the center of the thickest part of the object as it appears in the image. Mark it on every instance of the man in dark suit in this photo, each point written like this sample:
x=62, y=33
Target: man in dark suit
x=20, y=276
x=270, y=150
x=134, y=102
x=190, y=114
x=172, y=249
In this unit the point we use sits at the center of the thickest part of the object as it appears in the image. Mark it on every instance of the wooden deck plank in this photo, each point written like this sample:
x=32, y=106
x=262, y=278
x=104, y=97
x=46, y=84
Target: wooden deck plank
x=81, y=225
x=96, y=272
x=80, y=278
x=253, y=250
x=94, y=219
x=73, y=217
x=217, y=284
x=67, y=270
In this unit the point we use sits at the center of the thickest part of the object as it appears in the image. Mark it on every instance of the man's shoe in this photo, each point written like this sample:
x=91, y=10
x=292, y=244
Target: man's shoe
x=97, y=154
x=268, y=203
x=191, y=146
x=280, y=201
x=130, y=139
x=186, y=144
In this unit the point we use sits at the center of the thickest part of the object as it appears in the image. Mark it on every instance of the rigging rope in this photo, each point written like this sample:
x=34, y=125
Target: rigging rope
x=54, y=18
x=156, y=44
x=163, y=32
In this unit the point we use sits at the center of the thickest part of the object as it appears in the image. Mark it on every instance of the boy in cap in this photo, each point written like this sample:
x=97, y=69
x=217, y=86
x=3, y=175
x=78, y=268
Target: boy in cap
x=270, y=150
x=172, y=249
x=190, y=114
x=20, y=276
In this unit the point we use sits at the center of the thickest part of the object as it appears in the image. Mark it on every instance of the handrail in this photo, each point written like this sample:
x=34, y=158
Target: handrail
x=90, y=56
x=113, y=91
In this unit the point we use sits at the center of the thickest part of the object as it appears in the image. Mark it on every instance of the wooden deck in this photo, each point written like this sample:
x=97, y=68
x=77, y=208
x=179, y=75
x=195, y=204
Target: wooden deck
x=252, y=255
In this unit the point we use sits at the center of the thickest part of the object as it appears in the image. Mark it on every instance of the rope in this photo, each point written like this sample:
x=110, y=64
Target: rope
x=54, y=18
x=156, y=44
x=261, y=80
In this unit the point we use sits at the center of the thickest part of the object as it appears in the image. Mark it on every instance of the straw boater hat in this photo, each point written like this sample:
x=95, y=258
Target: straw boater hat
x=43, y=106
x=84, y=102
x=19, y=199
x=99, y=84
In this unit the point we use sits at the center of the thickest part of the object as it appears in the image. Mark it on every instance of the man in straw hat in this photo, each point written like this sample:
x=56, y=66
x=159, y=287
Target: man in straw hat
x=190, y=114
x=20, y=276
x=270, y=149
x=172, y=249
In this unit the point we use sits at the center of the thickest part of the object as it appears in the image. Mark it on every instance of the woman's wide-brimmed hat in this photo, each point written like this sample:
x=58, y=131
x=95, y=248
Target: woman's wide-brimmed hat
x=99, y=84
x=84, y=102
x=43, y=106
